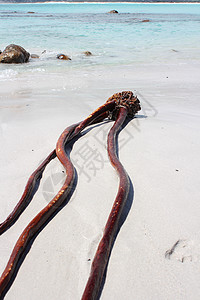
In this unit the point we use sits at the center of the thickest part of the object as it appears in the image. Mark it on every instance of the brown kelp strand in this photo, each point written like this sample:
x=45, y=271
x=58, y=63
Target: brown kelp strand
x=28, y=193
x=29, y=190
x=98, y=116
x=100, y=260
x=36, y=224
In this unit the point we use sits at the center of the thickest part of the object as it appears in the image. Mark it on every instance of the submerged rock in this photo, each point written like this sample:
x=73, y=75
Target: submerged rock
x=87, y=53
x=113, y=12
x=34, y=56
x=63, y=56
x=14, y=54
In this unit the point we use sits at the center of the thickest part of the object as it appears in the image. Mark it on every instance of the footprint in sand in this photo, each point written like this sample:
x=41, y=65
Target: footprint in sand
x=181, y=251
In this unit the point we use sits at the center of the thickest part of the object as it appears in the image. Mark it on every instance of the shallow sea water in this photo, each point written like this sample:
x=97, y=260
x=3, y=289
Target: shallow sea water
x=113, y=38
x=170, y=37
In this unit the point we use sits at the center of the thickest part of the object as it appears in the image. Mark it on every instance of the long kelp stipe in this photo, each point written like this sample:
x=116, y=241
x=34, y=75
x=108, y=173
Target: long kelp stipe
x=118, y=108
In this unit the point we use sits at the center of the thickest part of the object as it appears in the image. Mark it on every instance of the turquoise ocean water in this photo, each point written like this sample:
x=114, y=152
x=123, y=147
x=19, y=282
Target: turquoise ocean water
x=172, y=35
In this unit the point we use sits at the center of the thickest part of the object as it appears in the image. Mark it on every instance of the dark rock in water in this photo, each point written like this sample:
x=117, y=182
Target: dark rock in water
x=113, y=12
x=14, y=54
x=63, y=56
x=34, y=56
x=145, y=21
x=87, y=53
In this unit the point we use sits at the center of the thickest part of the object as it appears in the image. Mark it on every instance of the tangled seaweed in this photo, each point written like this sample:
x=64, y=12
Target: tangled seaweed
x=118, y=107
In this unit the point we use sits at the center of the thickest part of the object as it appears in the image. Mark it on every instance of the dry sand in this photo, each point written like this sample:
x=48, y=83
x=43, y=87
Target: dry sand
x=160, y=151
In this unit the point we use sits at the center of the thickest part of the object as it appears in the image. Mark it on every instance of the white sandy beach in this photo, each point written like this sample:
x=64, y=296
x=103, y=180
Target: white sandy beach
x=160, y=151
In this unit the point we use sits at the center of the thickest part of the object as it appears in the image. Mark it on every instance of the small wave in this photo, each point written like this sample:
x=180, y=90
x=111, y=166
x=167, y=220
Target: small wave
x=9, y=73
x=38, y=70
